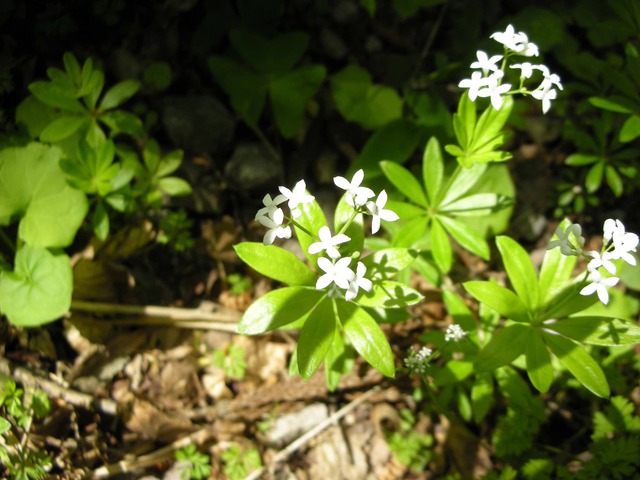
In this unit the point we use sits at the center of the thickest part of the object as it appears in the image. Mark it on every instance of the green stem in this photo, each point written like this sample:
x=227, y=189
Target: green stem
x=297, y=225
x=349, y=222
x=7, y=240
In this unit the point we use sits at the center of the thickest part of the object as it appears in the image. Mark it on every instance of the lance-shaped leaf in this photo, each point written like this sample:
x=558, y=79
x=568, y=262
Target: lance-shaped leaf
x=441, y=246
x=520, y=270
x=479, y=204
x=411, y=232
x=462, y=180
x=388, y=294
x=278, y=308
x=63, y=127
x=539, y=366
x=596, y=330
x=555, y=271
x=466, y=236
x=489, y=130
x=433, y=170
x=339, y=361
x=315, y=338
x=118, y=94
x=366, y=336
x=579, y=363
x=275, y=262
x=482, y=398
x=388, y=262
x=454, y=371
x=568, y=302
x=500, y=299
x=405, y=182
x=464, y=121
x=504, y=347
x=38, y=290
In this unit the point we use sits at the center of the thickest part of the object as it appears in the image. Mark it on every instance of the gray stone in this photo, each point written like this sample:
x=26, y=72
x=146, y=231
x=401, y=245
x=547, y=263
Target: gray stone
x=251, y=167
x=197, y=123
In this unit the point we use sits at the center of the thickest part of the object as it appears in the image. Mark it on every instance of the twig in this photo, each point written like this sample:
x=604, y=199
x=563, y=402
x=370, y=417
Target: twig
x=283, y=454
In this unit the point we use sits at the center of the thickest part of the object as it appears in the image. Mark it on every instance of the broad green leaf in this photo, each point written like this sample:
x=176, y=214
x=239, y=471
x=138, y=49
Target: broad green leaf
x=170, y=163
x=278, y=308
x=388, y=262
x=38, y=290
x=482, y=398
x=35, y=115
x=466, y=236
x=55, y=96
x=597, y=330
x=555, y=271
x=361, y=101
x=118, y=94
x=33, y=187
x=500, y=299
x=406, y=211
x=290, y=94
x=405, y=182
x=580, y=159
x=246, y=89
x=174, y=186
x=275, y=262
x=355, y=230
x=62, y=128
x=312, y=220
x=315, y=338
x=539, y=366
x=579, y=363
x=271, y=56
x=441, y=246
x=366, y=336
x=432, y=170
x=593, y=180
x=504, y=347
x=613, y=180
x=520, y=270
x=388, y=294
x=454, y=371
x=462, y=180
x=630, y=129
x=338, y=361
x=411, y=232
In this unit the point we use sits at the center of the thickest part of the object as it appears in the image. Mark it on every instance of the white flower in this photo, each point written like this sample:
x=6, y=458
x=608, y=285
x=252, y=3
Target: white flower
x=338, y=273
x=494, y=89
x=509, y=38
x=545, y=96
x=328, y=243
x=454, y=333
x=603, y=260
x=358, y=282
x=418, y=362
x=485, y=63
x=524, y=47
x=564, y=240
x=270, y=205
x=612, y=227
x=526, y=69
x=356, y=195
x=274, y=224
x=475, y=83
x=623, y=242
x=550, y=80
x=296, y=197
x=599, y=284
x=378, y=212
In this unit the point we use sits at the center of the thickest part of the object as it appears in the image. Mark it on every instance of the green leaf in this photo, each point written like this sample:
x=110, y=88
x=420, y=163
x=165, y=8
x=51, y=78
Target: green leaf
x=170, y=163
x=270, y=56
x=482, y=398
x=315, y=338
x=594, y=176
x=174, y=186
x=630, y=129
x=607, y=104
x=579, y=363
x=568, y=302
x=246, y=89
x=118, y=94
x=520, y=270
x=539, y=363
x=504, y=347
x=454, y=371
x=361, y=101
x=613, y=180
x=34, y=188
x=388, y=294
x=410, y=232
x=100, y=221
x=56, y=96
x=366, y=336
x=500, y=299
x=388, y=262
x=479, y=204
x=312, y=219
x=441, y=246
x=580, y=159
x=460, y=312
x=38, y=291
x=555, y=271
x=489, y=132
x=5, y=426
x=62, y=128
x=597, y=330
x=405, y=182
x=464, y=121
x=120, y=121
x=275, y=262
x=432, y=170
x=466, y=236
x=462, y=180
x=278, y=308
x=338, y=361
x=290, y=94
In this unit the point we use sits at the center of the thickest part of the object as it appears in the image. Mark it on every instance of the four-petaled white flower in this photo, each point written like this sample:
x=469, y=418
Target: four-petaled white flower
x=509, y=38
x=525, y=47
x=485, y=63
x=526, y=69
x=545, y=96
x=296, y=196
x=475, y=83
x=495, y=89
x=599, y=260
x=335, y=272
x=378, y=212
x=564, y=240
x=328, y=243
x=274, y=224
x=599, y=284
x=623, y=242
x=356, y=195
x=270, y=205
x=454, y=333
x=359, y=281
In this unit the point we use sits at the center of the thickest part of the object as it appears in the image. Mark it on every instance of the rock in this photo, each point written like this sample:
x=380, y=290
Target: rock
x=251, y=167
x=197, y=123
x=289, y=427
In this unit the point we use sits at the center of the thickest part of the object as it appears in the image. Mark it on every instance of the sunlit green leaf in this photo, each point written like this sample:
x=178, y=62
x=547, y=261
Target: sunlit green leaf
x=275, y=262
x=504, y=347
x=520, y=270
x=539, y=365
x=315, y=338
x=500, y=299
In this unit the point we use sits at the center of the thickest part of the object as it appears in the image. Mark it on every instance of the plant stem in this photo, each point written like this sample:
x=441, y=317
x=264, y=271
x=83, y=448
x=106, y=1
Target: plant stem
x=5, y=238
x=349, y=222
x=297, y=225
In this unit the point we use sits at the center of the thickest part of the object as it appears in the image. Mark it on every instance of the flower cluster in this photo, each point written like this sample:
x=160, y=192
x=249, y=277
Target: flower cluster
x=617, y=244
x=338, y=274
x=454, y=333
x=418, y=362
x=487, y=80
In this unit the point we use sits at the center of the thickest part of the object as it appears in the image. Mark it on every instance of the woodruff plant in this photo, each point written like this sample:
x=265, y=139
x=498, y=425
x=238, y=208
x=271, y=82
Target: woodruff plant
x=338, y=299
